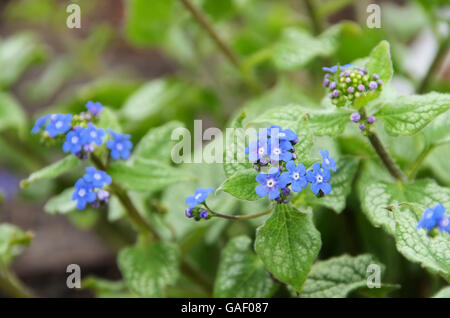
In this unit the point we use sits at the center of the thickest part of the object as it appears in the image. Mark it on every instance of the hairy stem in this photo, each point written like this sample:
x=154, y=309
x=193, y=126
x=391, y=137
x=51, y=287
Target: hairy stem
x=442, y=49
x=203, y=21
x=238, y=217
x=313, y=15
x=11, y=285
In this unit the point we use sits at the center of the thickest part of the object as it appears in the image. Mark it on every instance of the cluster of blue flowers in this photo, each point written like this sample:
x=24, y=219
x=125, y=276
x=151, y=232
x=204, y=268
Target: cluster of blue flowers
x=194, y=210
x=90, y=188
x=81, y=134
x=278, y=183
x=356, y=118
x=348, y=82
x=435, y=217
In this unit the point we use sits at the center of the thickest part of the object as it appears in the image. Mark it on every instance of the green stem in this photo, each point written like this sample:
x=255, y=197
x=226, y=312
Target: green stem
x=203, y=21
x=238, y=217
x=418, y=162
x=442, y=49
x=315, y=20
x=11, y=285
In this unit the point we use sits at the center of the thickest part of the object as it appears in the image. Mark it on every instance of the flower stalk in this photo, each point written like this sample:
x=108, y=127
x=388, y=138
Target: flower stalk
x=238, y=217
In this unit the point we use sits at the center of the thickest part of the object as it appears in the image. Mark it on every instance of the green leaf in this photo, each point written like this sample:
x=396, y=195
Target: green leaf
x=12, y=241
x=242, y=185
x=61, y=203
x=339, y=276
x=241, y=274
x=147, y=22
x=287, y=244
x=417, y=246
x=52, y=171
x=11, y=113
x=379, y=195
x=147, y=175
x=341, y=183
x=156, y=143
x=17, y=53
x=329, y=123
x=407, y=115
x=443, y=293
x=109, y=120
x=148, y=270
x=106, y=288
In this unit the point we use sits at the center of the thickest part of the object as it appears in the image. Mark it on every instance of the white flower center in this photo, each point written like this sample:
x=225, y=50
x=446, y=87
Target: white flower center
x=445, y=221
x=59, y=124
x=277, y=151
x=119, y=147
x=296, y=175
x=270, y=183
x=97, y=176
x=261, y=151
x=74, y=139
x=93, y=134
x=282, y=134
x=82, y=192
x=429, y=215
x=319, y=178
x=327, y=161
x=198, y=196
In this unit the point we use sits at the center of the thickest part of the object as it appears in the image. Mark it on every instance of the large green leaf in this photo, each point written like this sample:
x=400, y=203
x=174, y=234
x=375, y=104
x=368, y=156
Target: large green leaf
x=407, y=115
x=11, y=113
x=61, y=203
x=147, y=21
x=241, y=273
x=339, y=276
x=106, y=288
x=147, y=175
x=12, y=241
x=156, y=143
x=17, y=53
x=379, y=195
x=287, y=244
x=431, y=252
x=52, y=171
x=443, y=293
x=242, y=185
x=149, y=269
x=341, y=182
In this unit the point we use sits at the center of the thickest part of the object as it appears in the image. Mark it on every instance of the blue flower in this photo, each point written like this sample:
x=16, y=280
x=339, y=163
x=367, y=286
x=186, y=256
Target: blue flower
x=281, y=150
x=75, y=139
x=334, y=68
x=282, y=134
x=59, y=124
x=94, y=108
x=258, y=149
x=319, y=179
x=96, y=178
x=204, y=214
x=40, y=122
x=269, y=184
x=199, y=196
x=327, y=162
x=94, y=134
x=83, y=194
x=431, y=217
x=120, y=145
x=296, y=176
x=444, y=224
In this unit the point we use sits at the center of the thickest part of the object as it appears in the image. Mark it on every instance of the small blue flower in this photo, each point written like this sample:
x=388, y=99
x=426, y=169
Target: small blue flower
x=40, y=122
x=280, y=150
x=94, y=134
x=334, y=68
x=59, y=124
x=94, y=108
x=75, y=140
x=199, y=196
x=103, y=195
x=120, y=145
x=258, y=149
x=444, y=224
x=296, y=176
x=189, y=213
x=431, y=217
x=319, y=179
x=282, y=134
x=83, y=194
x=204, y=214
x=269, y=184
x=327, y=161
x=96, y=178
